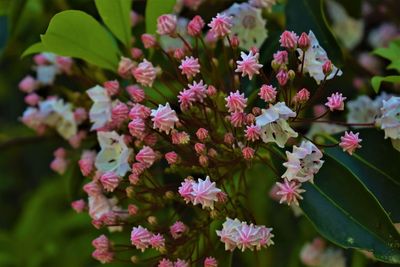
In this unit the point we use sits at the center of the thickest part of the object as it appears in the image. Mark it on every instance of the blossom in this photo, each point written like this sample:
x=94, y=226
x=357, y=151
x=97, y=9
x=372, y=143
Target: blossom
x=114, y=154
x=282, y=76
x=181, y=263
x=165, y=263
x=186, y=190
x=180, y=138
x=303, y=162
x=199, y=90
x=248, y=25
x=248, y=65
x=281, y=57
x=177, y=229
x=145, y=73
x=140, y=237
x=78, y=205
x=210, y=262
x=311, y=253
x=315, y=57
x=253, y=132
x=267, y=93
x=202, y=134
x=157, y=241
x=304, y=41
x=110, y=181
x=236, y=102
x=166, y=24
x=119, y=113
x=205, y=192
x=100, y=112
x=146, y=156
x=139, y=111
x=171, y=157
x=350, y=142
x=86, y=163
x=137, y=94
x=125, y=66
x=148, y=40
x=103, y=256
x=289, y=191
x=137, y=128
x=248, y=153
x=220, y=25
x=190, y=66
x=28, y=84
x=112, y=87
x=164, y=118
x=288, y=40
x=195, y=26
x=237, y=119
x=335, y=102
x=302, y=96
x=186, y=99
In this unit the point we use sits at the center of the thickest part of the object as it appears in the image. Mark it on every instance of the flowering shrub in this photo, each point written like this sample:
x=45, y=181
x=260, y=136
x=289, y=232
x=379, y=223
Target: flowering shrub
x=167, y=134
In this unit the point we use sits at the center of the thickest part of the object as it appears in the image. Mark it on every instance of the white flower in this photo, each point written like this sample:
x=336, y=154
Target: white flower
x=46, y=74
x=248, y=25
x=274, y=127
x=390, y=119
x=348, y=30
x=100, y=112
x=59, y=115
x=303, y=162
x=114, y=154
x=229, y=233
x=314, y=59
x=205, y=193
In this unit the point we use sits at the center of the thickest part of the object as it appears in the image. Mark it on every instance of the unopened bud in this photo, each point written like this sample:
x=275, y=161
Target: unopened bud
x=291, y=75
x=169, y=195
x=152, y=220
x=129, y=191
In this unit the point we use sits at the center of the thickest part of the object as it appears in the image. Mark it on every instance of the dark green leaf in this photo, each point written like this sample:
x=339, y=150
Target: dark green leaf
x=116, y=15
x=353, y=7
x=377, y=81
x=154, y=9
x=343, y=211
x=305, y=15
x=76, y=34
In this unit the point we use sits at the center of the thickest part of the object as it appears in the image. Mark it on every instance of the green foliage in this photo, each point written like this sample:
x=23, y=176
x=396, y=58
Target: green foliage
x=305, y=15
x=352, y=199
x=391, y=53
x=116, y=15
x=155, y=8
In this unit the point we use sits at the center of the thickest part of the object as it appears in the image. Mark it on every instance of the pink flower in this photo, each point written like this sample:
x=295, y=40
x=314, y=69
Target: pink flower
x=211, y=90
x=125, y=66
x=220, y=25
x=186, y=99
x=304, y=41
x=137, y=128
x=78, y=205
x=112, y=87
x=203, y=160
x=199, y=90
x=157, y=241
x=86, y=163
x=140, y=237
x=148, y=40
x=248, y=153
x=186, y=190
x=132, y=209
x=289, y=192
x=190, y=67
x=237, y=119
x=164, y=118
x=199, y=148
x=139, y=111
x=179, y=53
x=64, y=64
x=180, y=138
x=327, y=67
x=103, y=256
x=249, y=64
x=133, y=179
x=236, y=102
x=102, y=243
x=235, y=42
x=335, y=102
x=205, y=193
x=59, y=165
x=302, y=96
x=92, y=188
x=145, y=73
x=119, y=113
x=195, y=26
x=229, y=138
x=210, y=262
x=202, y=134
x=165, y=263
x=177, y=229
x=28, y=84
x=136, y=53
x=40, y=59
x=282, y=77
x=288, y=40
x=181, y=263
x=253, y=132
x=146, y=156
x=281, y=57
x=150, y=139
x=171, y=157
x=137, y=94
x=166, y=24
x=350, y=142
x=32, y=99
x=267, y=93
x=110, y=181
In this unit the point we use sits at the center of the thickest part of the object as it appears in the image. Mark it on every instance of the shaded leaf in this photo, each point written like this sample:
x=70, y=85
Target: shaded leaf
x=154, y=9
x=116, y=15
x=377, y=81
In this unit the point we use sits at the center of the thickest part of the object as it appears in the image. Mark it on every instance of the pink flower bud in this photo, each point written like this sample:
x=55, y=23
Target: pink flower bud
x=150, y=139
x=136, y=53
x=229, y=139
x=195, y=26
x=178, y=229
x=220, y=25
x=302, y=96
x=235, y=41
x=250, y=119
x=211, y=90
x=212, y=153
x=256, y=111
x=267, y=93
x=32, y=99
x=179, y=53
x=288, y=40
x=28, y=84
x=139, y=111
x=86, y=163
x=124, y=67
x=304, y=41
x=282, y=77
x=65, y=64
x=199, y=148
x=148, y=40
x=248, y=153
x=145, y=73
x=110, y=181
x=133, y=179
x=40, y=59
x=281, y=57
x=119, y=113
x=237, y=119
x=166, y=24
x=335, y=102
x=76, y=140
x=80, y=115
x=59, y=165
x=60, y=153
x=132, y=209
x=210, y=262
x=253, y=133
x=327, y=67
x=190, y=67
x=92, y=188
x=137, y=94
x=78, y=205
x=171, y=157
x=236, y=102
x=350, y=142
x=203, y=160
x=146, y=156
x=202, y=134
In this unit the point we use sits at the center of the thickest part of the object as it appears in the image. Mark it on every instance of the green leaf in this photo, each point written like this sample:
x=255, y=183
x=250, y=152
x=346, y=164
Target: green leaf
x=305, y=15
x=116, y=15
x=377, y=81
x=395, y=65
x=392, y=52
x=382, y=183
x=76, y=34
x=344, y=212
x=34, y=49
x=154, y=9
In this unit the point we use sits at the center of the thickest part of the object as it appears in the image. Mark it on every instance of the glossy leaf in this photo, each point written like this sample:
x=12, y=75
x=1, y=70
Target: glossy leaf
x=345, y=212
x=116, y=16
x=76, y=34
x=306, y=15
x=154, y=9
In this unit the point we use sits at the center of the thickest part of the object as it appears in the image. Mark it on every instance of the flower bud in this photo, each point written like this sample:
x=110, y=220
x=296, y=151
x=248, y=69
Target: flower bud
x=304, y=41
x=291, y=75
x=327, y=67
x=152, y=220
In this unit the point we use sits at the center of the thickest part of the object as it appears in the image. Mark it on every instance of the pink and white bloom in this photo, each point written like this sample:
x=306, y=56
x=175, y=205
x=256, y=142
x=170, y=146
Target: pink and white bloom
x=237, y=119
x=303, y=163
x=281, y=57
x=282, y=76
x=186, y=98
x=78, y=205
x=236, y=102
x=86, y=163
x=289, y=192
x=125, y=66
x=178, y=229
x=157, y=241
x=110, y=181
x=181, y=263
x=249, y=64
x=248, y=153
x=190, y=67
x=267, y=93
x=164, y=118
x=302, y=96
x=390, y=120
x=137, y=94
x=112, y=87
x=165, y=263
x=166, y=24
x=148, y=40
x=205, y=192
x=186, y=190
x=171, y=157
x=145, y=73
x=202, y=134
x=199, y=89
x=220, y=25
x=146, y=156
x=195, y=26
x=253, y=132
x=210, y=262
x=139, y=111
x=288, y=40
x=335, y=102
x=140, y=237
x=350, y=142
x=137, y=128
x=28, y=84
